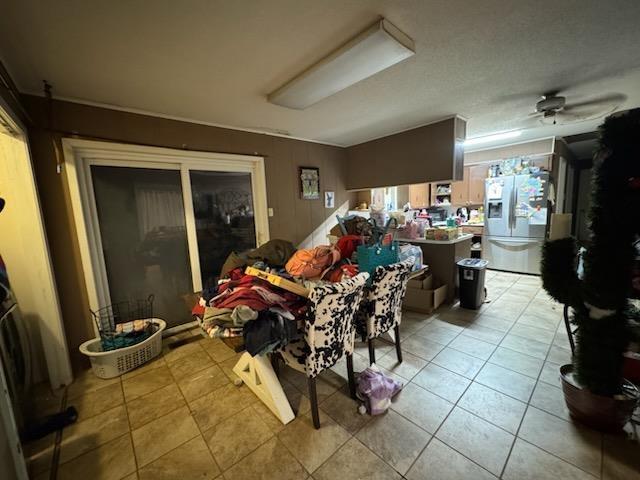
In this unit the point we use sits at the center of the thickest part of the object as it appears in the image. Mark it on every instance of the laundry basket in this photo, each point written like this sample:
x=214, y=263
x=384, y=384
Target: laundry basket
x=111, y=363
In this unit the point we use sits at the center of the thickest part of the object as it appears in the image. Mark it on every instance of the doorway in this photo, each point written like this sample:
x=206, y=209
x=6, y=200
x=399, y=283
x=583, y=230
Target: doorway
x=161, y=222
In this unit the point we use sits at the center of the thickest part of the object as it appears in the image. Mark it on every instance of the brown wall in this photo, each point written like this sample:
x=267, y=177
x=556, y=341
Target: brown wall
x=424, y=154
x=293, y=218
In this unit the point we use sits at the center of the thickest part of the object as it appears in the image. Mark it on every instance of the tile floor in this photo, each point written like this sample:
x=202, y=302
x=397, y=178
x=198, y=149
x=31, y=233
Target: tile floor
x=481, y=400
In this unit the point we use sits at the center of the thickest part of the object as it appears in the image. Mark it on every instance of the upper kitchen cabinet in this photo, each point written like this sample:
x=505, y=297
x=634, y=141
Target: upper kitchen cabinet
x=470, y=191
x=476, y=176
x=419, y=195
x=425, y=154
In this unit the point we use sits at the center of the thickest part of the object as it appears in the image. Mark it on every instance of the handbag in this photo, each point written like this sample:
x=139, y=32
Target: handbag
x=312, y=263
x=378, y=254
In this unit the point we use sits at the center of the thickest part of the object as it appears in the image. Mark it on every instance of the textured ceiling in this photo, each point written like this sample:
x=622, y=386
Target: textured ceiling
x=215, y=61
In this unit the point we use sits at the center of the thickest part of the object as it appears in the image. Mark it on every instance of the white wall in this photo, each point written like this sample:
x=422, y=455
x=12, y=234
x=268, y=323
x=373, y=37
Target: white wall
x=25, y=252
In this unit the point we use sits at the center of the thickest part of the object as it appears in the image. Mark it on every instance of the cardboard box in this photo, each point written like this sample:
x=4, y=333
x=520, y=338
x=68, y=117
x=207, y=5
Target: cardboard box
x=425, y=300
x=424, y=281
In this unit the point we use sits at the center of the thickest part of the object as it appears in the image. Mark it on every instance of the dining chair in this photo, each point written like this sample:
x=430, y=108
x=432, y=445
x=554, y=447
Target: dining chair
x=381, y=309
x=329, y=334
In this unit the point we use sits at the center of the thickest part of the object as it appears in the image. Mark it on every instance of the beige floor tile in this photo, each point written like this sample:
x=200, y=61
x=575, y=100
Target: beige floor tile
x=507, y=310
x=162, y=435
x=270, y=461
x=200, y=383
x=228, y=365
x=382, y=348
x=394, y=439
x=214, y=407
x=133, y=476
x=528, y=462
x=93, y=432
x=354, y=461
x=420, y=346
x=327, y=383
x=98, y=401
x=422, y=407
x=458, y=362
x=559, y=355
x=87, y=382
x=442, y=382
x=299, y=401
x=621, y=457
x=550, y=399
x=494, y=407
x=473, y=346
x=436, y=332
x=486, y=334
x=482, y=442
x=534, y=333
x=344, y=410
x=154, y=405
x=534, y=280
x=440, y=462
x=236, y=437
x=526, y=346
x=190, y=364
x=506, y=381
x=217, y=350
x=146, y=383
x=110, y=461
x=551, y=374
x=516, y=361
x=493, y=323
x=147, y=367
x=410, y=366
x=172, y=355
x=539, y=320
x=267, y=416
x=577, y=445
x=191, y=460
x=452, y=322
x=310, y=446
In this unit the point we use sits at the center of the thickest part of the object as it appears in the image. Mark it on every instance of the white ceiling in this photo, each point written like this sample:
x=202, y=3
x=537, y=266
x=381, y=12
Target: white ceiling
x=215, y=61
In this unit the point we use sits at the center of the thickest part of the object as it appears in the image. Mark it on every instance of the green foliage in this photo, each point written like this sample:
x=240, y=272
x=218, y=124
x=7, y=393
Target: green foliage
x=615, y=222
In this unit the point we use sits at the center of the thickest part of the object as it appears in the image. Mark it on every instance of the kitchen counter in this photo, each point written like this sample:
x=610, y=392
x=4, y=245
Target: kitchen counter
x=441, y=257
x=461, y=238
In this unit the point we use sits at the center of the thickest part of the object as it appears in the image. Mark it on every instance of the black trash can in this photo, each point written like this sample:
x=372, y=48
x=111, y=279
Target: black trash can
x=471, y=279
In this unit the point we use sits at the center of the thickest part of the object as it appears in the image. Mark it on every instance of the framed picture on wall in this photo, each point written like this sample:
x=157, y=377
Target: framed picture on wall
x=309, y=183
x=329, y=199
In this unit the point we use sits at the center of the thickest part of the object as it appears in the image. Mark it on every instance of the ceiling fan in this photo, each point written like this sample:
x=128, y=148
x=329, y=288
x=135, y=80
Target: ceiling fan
x=553, y=109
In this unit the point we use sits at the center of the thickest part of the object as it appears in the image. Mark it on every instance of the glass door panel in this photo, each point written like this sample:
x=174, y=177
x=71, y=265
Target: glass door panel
x=224, y=218
x=144, y=240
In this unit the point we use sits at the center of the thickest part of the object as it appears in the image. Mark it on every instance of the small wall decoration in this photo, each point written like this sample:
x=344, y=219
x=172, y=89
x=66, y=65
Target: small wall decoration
x=329, y=199
x=309, y=183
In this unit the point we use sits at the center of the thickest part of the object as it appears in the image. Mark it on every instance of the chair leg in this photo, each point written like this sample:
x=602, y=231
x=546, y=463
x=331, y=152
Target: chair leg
x=314, y=402
x=350, y=376
x=372, y=352
x=398, y=349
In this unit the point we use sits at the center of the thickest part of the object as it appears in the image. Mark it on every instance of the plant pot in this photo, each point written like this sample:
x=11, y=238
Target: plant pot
x=597, y=411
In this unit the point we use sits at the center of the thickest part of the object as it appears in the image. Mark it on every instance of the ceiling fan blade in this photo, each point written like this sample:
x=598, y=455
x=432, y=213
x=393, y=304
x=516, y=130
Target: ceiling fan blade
x=614, y=98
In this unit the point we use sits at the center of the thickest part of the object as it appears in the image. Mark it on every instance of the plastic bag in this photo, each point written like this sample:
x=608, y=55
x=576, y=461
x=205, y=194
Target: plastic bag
x=376, y=389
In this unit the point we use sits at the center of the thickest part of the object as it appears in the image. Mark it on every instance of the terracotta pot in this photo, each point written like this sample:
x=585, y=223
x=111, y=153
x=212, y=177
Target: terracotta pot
x=597, y=411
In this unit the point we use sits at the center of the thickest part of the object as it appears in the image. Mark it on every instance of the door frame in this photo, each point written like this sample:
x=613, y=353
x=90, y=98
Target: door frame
x=80, y=155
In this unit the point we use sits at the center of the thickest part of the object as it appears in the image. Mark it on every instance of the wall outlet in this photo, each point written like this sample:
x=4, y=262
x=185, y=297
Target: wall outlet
x=270, y=211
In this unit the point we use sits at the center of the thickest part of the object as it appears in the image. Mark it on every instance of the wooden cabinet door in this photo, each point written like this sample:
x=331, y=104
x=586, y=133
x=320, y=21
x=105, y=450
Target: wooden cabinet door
x=419, y=195
x=460, y=190
x=477, y=176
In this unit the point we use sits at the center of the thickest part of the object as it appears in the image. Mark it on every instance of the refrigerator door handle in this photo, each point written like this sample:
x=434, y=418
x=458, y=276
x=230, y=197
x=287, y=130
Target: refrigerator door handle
x=512, y=206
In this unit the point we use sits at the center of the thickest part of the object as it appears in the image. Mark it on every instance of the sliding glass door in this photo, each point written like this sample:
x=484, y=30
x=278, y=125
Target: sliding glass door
x=162, y=224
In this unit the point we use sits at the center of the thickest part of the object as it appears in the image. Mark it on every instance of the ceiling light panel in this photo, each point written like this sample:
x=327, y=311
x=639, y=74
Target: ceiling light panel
x=378, y=47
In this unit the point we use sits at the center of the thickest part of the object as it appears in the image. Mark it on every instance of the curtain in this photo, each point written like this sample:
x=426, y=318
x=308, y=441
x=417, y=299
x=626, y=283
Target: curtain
x=158, y=207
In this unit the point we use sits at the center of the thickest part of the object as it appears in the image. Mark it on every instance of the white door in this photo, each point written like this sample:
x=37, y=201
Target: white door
x=162, y=223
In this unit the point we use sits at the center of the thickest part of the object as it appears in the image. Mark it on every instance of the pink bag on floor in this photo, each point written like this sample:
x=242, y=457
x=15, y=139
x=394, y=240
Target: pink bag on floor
x=376, y=389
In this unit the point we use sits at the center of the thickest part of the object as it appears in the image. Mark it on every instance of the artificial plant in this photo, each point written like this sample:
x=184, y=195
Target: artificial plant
x=600, y=299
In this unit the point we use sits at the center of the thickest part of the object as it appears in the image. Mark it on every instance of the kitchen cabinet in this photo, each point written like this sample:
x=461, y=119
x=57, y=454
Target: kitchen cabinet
x=419, y=195
x=460, y=190
x=476, y=175
x=469, y=191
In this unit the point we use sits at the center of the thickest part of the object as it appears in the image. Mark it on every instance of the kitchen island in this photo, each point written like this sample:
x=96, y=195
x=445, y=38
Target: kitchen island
x=441, y=256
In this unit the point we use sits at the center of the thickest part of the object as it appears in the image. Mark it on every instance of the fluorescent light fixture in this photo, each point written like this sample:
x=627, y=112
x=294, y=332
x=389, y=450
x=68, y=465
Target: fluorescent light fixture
x=492, y=138
x=378, y=47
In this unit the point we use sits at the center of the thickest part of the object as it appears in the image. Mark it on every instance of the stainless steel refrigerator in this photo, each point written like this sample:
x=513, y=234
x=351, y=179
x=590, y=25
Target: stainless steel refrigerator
x=515, y=223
